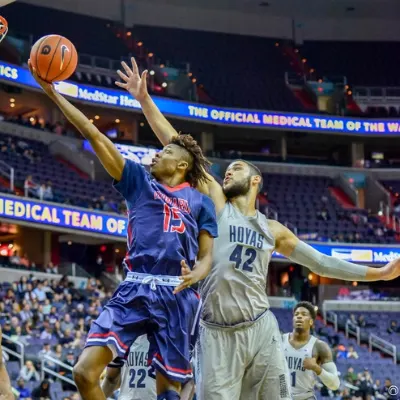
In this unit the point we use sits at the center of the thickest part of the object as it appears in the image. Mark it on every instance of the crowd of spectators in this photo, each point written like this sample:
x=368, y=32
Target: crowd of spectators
x=51, y=318
x=40, y=123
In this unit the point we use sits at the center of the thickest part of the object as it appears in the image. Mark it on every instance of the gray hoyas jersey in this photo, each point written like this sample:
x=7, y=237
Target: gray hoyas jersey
x=302, y=380
x=137, y=379
x=235, y=289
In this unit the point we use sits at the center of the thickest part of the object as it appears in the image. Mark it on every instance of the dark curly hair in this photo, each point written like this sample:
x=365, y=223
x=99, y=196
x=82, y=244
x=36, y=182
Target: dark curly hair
x=198, y=165
x=308, y=306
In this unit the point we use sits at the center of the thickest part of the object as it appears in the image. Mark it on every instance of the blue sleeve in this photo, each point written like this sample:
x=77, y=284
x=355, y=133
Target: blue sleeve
x=207, y=220
x=132, y=181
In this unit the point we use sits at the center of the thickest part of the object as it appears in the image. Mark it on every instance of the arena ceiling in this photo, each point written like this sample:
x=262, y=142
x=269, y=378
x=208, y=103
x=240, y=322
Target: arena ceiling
x=285, y=8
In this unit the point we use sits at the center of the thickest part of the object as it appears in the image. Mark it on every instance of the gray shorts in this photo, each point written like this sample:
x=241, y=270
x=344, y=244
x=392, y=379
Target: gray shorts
x=244, y=362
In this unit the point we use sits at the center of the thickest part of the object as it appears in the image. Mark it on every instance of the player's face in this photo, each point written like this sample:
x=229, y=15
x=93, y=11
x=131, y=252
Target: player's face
x=302, y=320
x=237, y=180
x=166, y=162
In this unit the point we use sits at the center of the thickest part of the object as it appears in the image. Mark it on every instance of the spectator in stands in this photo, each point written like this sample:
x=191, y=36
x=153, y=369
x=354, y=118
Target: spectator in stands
x=29, y=185
x=58, y=128
x=30, y=296
x=22, y=285
x=40, y=192
x=352, y=320
x=27, y=328
x=365, y=385
x=385, y=390
x=393, y=327
x=51, y=268
x=28, y=372
x=78, y=342
x=15, y=310
x=58, y=352
x=42, y=392
x=66, y=323
x=48, y=192
x=376, y=387
x=46, y=351
x=362, y=323
x=350, y=376
x=81, y=325
x=22, y=390
x=322, y=214
x=67, y=338
x=39, y=292
x=341, y=351
x=14, y=259
x=53, y=315
x=351, y=353
x=26, y=314
x=99, y=267
x=24, y=261
x=47, y=333
x=71, y=361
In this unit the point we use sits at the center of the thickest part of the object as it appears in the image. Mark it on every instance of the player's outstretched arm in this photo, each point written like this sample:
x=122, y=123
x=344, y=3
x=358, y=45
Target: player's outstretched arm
x=105, y=150
x=287, y=244
x=203, y=264
x=136, y=85
x=6, y=392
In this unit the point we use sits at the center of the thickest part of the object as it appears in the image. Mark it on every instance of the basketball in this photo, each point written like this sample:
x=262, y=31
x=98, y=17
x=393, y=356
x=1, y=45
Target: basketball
x=54, y=57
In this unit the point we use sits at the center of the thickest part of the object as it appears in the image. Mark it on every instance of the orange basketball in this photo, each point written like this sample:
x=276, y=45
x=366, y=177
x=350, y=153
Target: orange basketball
x=54, y=57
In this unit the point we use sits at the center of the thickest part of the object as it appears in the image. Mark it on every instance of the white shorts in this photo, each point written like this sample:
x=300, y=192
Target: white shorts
x=244, y=362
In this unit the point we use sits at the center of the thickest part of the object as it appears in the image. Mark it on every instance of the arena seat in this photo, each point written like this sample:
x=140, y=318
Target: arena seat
x=363, y=63
x=93, y=36
x=67, y=184
x=297, y=199
x=227, y=65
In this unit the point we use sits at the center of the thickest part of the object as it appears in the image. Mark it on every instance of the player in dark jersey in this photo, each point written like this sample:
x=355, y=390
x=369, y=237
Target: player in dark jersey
x=170, y=233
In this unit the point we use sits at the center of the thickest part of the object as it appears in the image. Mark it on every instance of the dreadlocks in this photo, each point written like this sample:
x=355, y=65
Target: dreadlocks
x=198, y=164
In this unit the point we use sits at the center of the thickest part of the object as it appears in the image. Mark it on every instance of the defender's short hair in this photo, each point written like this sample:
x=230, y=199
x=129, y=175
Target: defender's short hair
x=309, y=306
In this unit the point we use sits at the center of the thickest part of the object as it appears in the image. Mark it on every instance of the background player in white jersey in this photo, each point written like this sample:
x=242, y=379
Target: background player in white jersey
x=307, y=356
x=134, y=378
x=241, y=354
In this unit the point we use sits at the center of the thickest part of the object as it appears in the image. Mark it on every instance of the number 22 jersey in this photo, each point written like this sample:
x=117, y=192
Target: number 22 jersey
x=137, y=378
x=164, y=222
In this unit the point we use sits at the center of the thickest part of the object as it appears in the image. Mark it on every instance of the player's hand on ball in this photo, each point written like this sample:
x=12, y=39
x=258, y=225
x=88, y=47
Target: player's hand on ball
x=135, y=84
x=46, y=86
x=188, y=277
x=310, y=364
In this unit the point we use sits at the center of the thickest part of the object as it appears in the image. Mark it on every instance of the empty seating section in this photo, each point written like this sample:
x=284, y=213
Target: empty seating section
x=93, y=37
x=227, y=65
x=306, y=203
x=67, y=184
x=363, y=63
x=377, y=323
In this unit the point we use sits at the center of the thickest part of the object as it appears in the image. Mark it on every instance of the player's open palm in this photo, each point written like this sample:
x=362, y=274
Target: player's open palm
x=135, y=84
x=188, y=277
